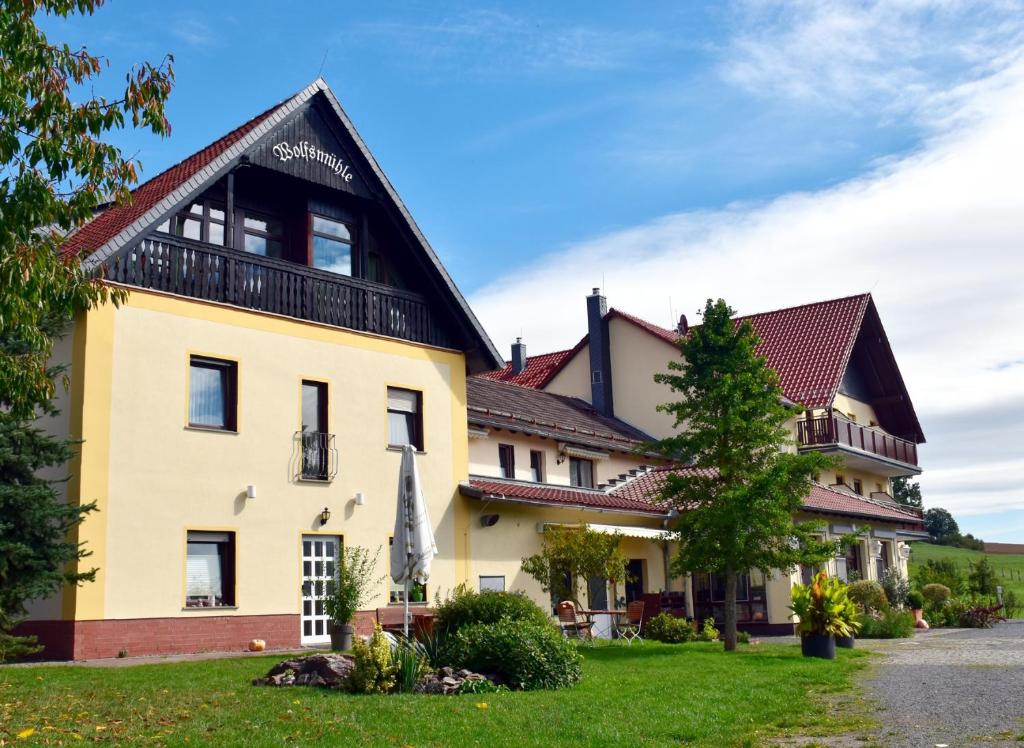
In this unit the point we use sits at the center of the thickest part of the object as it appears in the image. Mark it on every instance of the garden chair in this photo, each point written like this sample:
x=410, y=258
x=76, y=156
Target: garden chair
x=630, y=630
x=570, y=623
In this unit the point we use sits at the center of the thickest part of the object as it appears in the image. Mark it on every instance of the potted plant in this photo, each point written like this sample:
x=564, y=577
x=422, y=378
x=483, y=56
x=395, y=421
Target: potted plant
x=821, y=607
x=915, y=601
x=849, y=615
x=349, y=591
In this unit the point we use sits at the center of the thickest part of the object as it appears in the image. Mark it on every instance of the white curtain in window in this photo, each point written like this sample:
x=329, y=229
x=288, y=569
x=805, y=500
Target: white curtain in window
x=206, y=397
x=202, y=570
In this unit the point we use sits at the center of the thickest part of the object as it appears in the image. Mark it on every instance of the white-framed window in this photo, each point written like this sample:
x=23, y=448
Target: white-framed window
x=492, y=583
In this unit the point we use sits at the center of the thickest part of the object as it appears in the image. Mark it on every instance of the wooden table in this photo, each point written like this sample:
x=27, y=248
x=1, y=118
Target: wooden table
x=615, y=615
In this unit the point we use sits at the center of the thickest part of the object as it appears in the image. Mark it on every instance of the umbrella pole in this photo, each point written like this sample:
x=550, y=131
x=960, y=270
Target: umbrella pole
x=405, y=618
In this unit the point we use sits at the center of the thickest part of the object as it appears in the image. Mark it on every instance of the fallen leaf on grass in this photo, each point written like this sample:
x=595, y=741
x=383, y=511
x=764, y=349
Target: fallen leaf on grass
x=27, y=732
x=482, y=705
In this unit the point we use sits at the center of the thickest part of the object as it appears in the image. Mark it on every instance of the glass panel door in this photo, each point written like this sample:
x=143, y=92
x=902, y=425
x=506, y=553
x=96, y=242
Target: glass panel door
x=319, y=556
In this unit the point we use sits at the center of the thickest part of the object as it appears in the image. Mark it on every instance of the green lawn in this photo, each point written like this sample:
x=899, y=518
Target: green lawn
x=1009, y=568
x=641, y=695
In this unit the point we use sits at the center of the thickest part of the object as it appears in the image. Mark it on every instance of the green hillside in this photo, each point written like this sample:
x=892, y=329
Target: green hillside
x=1009, y=568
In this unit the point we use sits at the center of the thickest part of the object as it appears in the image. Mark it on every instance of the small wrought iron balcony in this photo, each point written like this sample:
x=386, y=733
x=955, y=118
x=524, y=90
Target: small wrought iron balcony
x=315, y=456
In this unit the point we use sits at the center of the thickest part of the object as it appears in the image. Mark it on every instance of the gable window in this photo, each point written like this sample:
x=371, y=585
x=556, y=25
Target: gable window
x=213, y=394
x=405, y=418
x=202, y=221
x=858, y=487
x=316, y=442
x=840, y=480
x=210, y=570
x=507, y=460
x=536, y=466
x=581, y=472
x=332, y=245
x=263, y=235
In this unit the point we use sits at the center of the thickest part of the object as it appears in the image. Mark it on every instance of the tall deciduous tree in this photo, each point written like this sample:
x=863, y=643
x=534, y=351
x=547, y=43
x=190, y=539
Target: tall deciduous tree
x=740, y=491
x=906, y=492
x=56, y=171
x=941, y=526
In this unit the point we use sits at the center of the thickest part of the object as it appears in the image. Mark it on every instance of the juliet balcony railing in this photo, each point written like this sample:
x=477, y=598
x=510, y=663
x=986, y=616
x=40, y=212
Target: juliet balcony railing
x=833, y=430
x=212, y=273
x=315, y=455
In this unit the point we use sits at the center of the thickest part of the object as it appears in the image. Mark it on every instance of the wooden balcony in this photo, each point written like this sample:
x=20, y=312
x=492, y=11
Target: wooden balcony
x=212, y=273
x=834, y=431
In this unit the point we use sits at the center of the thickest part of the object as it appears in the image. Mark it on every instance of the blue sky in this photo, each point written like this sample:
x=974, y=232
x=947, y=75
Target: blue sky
x=771, y=153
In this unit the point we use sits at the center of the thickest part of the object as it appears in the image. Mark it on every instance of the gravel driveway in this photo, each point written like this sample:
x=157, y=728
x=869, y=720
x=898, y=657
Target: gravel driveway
x=954, y=687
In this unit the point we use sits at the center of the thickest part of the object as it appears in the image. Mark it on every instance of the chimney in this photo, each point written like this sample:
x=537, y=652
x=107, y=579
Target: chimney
x=518, y=356
x=600, y=353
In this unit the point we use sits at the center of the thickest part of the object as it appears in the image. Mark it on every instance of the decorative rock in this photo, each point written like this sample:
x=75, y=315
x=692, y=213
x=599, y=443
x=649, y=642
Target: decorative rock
x=325, y=670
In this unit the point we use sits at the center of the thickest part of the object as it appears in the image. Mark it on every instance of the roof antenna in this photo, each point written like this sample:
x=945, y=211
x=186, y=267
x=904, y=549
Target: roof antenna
x=319, y=73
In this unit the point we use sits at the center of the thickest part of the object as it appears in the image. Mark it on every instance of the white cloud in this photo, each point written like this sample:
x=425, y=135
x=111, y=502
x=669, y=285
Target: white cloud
x=937, y=236
x=900, y=55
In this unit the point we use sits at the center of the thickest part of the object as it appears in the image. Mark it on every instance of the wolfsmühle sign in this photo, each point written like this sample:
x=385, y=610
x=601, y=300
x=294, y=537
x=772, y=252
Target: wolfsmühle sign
x=304, y=150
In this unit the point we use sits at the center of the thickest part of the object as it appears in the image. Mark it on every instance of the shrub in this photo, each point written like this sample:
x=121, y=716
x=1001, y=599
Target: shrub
x=981, y=617
x=524, y=654
x=981, y=579
x=373, y=670
x=945, y=614
x=940, y=571
x=708, y=632
x=410, y=665
x=1012, y=605
x=669, y=629
x=915, y=600
x=868, y=595
x=353, y=581
x=888, y=624
x=823, y=607
x=466, y=607
x=936, y=593
x=743, y=637
x=896, y=587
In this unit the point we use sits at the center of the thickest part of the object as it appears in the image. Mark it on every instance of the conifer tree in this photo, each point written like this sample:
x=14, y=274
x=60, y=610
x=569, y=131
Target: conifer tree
x=738, y=490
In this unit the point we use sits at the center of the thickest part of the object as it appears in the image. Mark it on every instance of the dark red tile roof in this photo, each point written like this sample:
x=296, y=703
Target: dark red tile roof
x=833, y=501
x=113, y=220
x=640, y=493
x=808, y=346
x=518, y=408
x=537, y=373
x=546, y=494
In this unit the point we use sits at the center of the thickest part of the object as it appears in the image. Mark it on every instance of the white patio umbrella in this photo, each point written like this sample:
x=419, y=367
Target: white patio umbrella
x=413, y=548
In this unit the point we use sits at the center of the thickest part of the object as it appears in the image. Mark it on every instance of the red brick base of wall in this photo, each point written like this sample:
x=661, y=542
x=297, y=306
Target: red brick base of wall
x=83, y=640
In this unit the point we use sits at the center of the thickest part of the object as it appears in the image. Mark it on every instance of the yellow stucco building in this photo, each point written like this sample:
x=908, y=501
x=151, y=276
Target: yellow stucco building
x=288, y=328
x=832, y=357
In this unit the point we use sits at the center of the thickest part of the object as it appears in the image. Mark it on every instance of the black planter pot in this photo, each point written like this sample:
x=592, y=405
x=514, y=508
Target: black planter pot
x=818, y=645
x=341, y=636
x=846, y=642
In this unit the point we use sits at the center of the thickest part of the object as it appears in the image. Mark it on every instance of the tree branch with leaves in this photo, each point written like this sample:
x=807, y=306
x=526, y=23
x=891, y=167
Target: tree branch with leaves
x=56, y=172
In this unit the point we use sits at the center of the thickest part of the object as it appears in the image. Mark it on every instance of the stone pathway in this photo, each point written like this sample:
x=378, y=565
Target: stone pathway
x=950, y=687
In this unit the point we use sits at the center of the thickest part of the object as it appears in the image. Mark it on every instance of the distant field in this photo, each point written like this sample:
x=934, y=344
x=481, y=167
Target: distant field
x=1009, y=568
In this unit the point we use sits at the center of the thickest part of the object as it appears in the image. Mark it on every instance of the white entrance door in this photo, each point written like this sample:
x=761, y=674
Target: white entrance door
x=319, y=556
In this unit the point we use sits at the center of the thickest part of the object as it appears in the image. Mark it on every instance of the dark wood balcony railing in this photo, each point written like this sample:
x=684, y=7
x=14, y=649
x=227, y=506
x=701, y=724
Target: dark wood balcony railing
x=834, y=430
x=211, y=273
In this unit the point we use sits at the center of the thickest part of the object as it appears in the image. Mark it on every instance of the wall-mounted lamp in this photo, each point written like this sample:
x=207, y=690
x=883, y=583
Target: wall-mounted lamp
x=876, y=548
x=324, y=516
x=489, y=520
x=250, y=491
x=560, y=459
x=360, y=499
